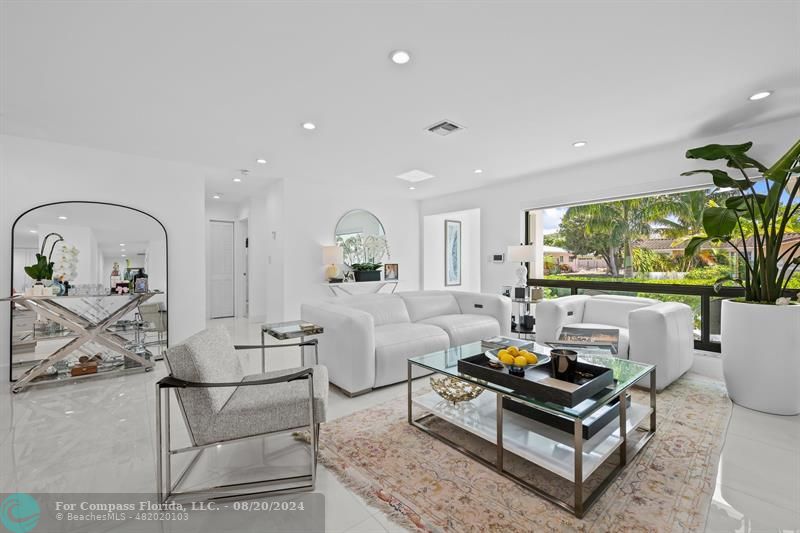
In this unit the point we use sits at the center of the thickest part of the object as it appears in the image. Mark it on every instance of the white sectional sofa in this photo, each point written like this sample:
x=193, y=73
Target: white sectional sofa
x=658, y=333
x=369, y=338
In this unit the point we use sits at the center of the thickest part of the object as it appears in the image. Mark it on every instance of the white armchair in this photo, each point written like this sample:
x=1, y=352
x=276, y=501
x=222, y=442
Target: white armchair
x=653, y=332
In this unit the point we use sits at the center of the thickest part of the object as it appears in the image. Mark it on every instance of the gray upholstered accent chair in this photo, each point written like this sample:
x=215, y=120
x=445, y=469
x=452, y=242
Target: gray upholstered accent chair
x=220, y=404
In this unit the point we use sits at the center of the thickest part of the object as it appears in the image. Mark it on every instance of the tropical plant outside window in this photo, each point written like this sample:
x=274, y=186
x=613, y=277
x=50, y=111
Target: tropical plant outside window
x=642, y=240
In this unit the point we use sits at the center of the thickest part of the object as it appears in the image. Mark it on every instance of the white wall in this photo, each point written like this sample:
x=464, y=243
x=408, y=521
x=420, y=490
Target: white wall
x=310, y=212
x=651, y=170
x=433, y=251
x=37, y=172
x=277, y=233
x=260, y=241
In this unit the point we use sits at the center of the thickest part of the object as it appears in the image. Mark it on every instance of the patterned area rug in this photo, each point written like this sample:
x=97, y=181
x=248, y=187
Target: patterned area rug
x=424, y=485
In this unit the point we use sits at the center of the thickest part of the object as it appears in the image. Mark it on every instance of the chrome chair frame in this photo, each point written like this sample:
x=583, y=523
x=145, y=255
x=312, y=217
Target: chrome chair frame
x=167, y=490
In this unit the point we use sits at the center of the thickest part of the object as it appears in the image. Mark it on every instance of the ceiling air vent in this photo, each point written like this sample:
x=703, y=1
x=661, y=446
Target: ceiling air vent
x=415, y=176
x=445, y=127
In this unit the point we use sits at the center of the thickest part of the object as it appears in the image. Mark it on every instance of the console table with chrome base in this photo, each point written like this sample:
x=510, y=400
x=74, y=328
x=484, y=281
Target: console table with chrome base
x=88, y=319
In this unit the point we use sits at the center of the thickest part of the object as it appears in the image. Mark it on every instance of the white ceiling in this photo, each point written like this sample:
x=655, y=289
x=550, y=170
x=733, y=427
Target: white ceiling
x=221, y=84
x=111, y=226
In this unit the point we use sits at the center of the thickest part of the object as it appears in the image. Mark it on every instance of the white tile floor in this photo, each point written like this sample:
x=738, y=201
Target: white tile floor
x=98, y=436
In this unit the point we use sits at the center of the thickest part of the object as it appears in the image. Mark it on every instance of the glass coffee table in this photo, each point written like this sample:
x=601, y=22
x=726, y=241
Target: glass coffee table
x=567, y=454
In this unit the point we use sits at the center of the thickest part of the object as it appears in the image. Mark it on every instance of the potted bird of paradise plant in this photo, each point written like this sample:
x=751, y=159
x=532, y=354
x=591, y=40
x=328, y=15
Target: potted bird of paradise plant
x=760, y=332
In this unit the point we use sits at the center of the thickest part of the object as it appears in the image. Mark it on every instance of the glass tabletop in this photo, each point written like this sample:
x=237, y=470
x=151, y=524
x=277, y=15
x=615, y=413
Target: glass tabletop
x=626, y=373
x=292, y=329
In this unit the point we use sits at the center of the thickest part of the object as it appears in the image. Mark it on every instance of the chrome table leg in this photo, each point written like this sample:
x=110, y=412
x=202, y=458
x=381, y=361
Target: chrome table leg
x=578, y=445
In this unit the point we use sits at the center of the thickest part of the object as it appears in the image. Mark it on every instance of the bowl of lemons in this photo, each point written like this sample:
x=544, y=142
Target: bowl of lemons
x=516, y=360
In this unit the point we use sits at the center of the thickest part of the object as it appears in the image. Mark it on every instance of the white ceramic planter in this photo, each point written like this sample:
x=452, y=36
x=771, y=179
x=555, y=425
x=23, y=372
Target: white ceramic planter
x=761, y=356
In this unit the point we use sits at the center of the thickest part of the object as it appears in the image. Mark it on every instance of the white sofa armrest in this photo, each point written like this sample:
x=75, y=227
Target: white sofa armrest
x=347, y=347
x=663, y=335
x=495, y=305
x=551, y=315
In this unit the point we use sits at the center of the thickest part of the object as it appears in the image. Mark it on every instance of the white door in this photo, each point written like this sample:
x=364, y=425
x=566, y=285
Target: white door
x=221, y=270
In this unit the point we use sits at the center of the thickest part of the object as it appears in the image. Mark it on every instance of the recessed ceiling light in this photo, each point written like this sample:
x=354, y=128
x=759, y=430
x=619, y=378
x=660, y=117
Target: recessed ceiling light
x=261, y=161
x=309, y=126
x=478, y=171
x=412, y=188
x=62, y=217
x=579, y=144
x=33, y=231
x=122, y=244
x=217, y=196
x=237, y=180
x=400, y=57
x=760, y=95
x=123, y=255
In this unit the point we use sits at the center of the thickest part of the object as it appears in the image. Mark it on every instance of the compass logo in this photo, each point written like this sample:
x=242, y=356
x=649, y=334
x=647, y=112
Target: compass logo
x=19, y=512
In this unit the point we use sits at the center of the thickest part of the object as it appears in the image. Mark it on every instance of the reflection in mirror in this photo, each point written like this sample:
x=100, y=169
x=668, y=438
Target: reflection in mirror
x=89, y=280
x=361, y=236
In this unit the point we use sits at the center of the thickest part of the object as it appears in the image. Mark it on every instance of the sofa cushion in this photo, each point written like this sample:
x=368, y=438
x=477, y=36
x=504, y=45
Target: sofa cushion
x=395, y=343
x=261, y=409
x=613, y=310
x=624, y=335
x=206, y=357
x=463, y=329
x=427, y=304
x=384, y=308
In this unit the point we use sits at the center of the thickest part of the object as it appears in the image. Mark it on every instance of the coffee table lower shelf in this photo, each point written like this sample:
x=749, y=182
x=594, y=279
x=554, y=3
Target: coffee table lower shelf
x=538, y=443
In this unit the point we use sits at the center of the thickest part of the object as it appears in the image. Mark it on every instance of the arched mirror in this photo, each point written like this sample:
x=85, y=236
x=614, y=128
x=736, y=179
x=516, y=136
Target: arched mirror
x=89, y=284
x=362, y=238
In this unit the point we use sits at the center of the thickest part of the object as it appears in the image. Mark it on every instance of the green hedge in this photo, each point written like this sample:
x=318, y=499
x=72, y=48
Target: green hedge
x=694, y=277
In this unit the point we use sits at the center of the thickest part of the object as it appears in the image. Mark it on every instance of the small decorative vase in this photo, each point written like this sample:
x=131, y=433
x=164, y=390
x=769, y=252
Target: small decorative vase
x=38, y=288
x=58, y=288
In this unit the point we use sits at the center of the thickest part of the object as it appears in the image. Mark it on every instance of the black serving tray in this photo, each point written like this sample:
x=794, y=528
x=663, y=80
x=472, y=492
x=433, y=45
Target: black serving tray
x=538, y=381
x=597, y=421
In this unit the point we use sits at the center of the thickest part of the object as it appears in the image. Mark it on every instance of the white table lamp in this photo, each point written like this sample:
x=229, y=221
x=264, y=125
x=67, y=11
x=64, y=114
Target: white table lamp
x=521, y=254
x=332, y=256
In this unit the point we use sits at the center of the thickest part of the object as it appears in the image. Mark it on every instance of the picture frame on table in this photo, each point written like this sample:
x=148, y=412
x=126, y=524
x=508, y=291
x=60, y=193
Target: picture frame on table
x=391, y=272
x=140, y=285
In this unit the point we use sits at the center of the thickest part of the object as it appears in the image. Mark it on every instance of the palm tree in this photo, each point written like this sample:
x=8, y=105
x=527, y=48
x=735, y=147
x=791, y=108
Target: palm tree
x=685, y=217
x=623, y=221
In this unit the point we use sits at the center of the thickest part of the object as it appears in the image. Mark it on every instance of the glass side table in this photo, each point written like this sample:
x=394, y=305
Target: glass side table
x=294, y=329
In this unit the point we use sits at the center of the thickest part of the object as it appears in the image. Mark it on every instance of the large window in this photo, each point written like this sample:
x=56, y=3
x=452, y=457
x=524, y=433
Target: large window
x=635, y=239
x=618, y=246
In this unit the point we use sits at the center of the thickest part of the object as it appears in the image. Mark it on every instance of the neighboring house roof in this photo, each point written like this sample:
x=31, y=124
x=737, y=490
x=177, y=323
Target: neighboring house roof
x=554, y=250
x=669, y=245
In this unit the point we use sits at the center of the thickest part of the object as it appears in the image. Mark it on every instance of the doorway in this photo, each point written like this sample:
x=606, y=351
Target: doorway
x=221, y=283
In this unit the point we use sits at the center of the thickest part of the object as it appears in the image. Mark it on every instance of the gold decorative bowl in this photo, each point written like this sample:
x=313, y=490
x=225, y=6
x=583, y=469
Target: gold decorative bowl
x=454, y=390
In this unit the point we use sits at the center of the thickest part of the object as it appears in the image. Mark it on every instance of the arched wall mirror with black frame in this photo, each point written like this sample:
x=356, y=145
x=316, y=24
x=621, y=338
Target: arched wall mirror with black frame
x=89, y=292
